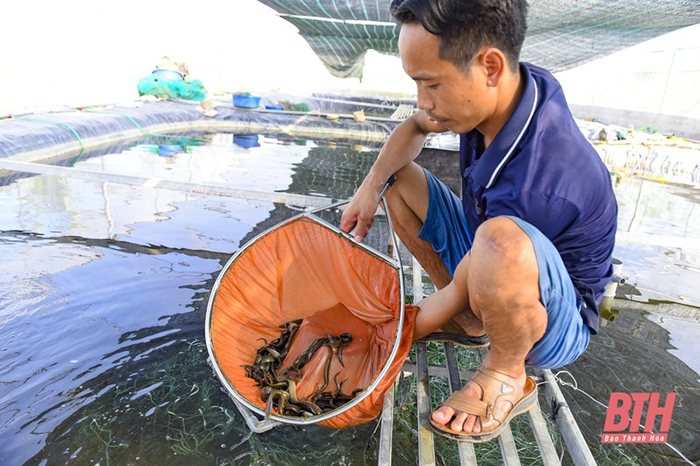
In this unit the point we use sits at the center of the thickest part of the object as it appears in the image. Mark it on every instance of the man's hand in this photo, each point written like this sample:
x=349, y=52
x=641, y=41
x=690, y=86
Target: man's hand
x=438, y=308
x=360, y=212
x=402, y=147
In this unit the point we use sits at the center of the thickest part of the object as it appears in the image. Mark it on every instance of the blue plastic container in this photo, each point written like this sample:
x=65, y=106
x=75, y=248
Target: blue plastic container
x=274, y=107
x=246, y=101
x=167, y=75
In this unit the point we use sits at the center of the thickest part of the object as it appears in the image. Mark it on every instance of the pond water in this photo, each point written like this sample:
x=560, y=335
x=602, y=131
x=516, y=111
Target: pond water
x=104, y=289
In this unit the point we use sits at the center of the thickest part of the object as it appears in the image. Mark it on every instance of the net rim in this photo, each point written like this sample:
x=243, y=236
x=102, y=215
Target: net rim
x=395, y=262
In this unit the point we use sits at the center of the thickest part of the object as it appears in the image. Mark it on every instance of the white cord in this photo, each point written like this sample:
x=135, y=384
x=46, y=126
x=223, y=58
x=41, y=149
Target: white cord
x=575, y=387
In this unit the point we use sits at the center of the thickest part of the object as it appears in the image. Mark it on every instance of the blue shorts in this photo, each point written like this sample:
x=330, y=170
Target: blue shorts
x=566, y=337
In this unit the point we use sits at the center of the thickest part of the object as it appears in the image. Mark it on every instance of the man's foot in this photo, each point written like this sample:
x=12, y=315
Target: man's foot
x=454, y=331
x=472, y=412
x=462, y=324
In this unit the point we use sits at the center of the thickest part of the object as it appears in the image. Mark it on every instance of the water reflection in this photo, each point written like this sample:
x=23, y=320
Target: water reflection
x=125, y=378
x=653, y=207
x=246, y=141
x=662, y=252
x=104, y=308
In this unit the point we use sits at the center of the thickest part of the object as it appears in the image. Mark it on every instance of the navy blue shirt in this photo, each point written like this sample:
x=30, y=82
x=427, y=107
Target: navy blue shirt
x=542, y=169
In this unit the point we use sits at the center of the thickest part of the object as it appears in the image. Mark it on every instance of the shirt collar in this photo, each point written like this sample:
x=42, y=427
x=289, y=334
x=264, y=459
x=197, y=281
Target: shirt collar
x=501, y=148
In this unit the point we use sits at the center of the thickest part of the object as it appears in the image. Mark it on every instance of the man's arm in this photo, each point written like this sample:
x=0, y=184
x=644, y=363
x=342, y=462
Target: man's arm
x=402, y=147
x=438, y=308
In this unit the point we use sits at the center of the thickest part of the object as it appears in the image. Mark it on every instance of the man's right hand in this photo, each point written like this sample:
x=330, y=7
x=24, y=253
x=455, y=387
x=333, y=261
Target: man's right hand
x=360, y=211
x=402, y=147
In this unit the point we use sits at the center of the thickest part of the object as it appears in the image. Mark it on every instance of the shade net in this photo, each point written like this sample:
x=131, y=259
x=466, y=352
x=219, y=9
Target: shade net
x=561, y=34
x=305, y=270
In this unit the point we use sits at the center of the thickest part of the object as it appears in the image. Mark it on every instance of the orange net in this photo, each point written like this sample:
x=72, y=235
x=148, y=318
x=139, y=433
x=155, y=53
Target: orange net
x=304, y=269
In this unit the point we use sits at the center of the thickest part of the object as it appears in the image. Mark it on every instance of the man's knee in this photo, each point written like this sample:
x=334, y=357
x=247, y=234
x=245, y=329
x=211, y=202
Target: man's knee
x=503, y=270
x=410, y=191
x=502, y=240
x=410, y=176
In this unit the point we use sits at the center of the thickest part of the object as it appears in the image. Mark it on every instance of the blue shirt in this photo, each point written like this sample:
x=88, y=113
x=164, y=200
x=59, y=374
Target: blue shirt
x=541, y=168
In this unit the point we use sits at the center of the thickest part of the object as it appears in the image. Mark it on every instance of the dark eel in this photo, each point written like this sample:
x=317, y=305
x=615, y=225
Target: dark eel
x=279, y=390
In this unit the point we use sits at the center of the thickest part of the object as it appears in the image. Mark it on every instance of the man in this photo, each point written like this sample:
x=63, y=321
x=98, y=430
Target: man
x=525, y=255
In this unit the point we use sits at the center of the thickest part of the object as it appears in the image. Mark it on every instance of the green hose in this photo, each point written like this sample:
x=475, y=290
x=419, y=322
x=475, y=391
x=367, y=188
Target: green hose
x=65, y=125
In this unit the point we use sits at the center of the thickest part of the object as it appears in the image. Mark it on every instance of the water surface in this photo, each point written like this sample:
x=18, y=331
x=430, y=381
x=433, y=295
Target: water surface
x=103, y=290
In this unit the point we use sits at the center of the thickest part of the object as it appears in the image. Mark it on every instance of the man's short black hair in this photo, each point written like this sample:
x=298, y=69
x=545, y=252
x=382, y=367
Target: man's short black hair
x=465, y=26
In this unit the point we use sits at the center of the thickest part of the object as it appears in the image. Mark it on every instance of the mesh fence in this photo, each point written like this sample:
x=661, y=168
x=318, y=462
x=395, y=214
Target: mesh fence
x=562, y=34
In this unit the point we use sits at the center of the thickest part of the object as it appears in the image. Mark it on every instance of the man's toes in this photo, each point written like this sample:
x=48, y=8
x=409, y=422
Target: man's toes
x=469, y=424
x=443, y=414
x=458, y=422
x=476, y=428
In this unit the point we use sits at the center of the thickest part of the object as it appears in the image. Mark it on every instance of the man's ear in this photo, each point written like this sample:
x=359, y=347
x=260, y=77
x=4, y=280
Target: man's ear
x=494, y=64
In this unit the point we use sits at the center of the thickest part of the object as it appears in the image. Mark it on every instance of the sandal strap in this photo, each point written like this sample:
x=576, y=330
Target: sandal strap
x=496, y=375
x=496, y=386
x=467, y=404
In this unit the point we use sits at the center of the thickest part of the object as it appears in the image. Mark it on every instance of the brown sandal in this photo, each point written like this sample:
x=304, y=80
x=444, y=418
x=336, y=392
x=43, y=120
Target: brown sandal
x=496, y=387
x=467, y=341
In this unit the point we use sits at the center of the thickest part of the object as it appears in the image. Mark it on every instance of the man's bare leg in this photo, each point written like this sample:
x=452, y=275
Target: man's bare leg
x=503, y=287
x=408, y=204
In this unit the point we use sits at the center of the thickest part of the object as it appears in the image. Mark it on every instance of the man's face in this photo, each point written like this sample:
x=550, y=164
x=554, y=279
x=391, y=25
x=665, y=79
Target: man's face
x=454, y=98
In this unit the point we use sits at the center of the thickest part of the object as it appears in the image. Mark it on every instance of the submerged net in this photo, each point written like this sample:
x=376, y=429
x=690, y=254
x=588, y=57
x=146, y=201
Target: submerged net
x=561, y=34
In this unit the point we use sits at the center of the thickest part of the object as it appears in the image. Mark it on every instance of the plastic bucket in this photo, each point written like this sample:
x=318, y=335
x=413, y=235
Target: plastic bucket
x=167, y=75
x=246, y=101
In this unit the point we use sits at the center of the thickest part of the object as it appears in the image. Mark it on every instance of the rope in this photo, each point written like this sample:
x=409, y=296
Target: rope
x=574, y=385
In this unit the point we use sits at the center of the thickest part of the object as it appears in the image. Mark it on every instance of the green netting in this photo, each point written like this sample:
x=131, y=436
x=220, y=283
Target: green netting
x=562, y=34
x=172, y=89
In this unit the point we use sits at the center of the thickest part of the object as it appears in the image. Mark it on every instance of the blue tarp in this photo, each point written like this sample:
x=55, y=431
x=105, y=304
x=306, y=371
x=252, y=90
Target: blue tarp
x=37, y=131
